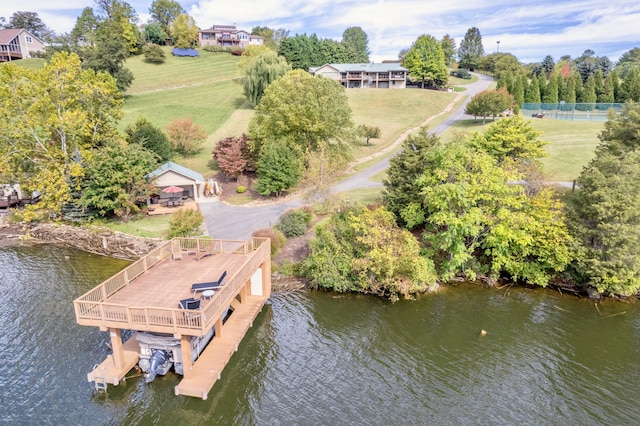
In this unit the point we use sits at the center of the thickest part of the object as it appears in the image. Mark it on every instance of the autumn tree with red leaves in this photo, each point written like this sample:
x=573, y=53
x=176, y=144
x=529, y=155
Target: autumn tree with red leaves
x=232, y=154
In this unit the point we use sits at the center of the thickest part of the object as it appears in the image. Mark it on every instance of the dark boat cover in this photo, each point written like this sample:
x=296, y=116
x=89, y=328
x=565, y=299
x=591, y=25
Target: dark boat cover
x=184, y=52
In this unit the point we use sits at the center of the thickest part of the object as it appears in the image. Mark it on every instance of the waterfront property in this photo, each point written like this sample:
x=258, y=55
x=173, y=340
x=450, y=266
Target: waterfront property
x=18, y=43
x=228, y=36
x=174, y=324
x=377, y=76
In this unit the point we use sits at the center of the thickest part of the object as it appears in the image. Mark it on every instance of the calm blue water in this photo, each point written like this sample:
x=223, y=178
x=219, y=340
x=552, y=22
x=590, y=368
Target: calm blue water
x=316, y=358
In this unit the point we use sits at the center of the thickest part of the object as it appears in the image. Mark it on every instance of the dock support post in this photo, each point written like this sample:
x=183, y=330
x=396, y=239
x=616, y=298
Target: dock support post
x=185, y=348
x=117, y=347
x=219, y=327
x=266, y=278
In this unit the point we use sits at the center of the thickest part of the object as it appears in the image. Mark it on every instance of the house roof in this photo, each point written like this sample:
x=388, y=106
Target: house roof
x=366, y=67
x=8, y=34
x=176, y=168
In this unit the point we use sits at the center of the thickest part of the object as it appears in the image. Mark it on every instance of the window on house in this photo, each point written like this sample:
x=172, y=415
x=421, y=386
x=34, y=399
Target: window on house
x=29, y=39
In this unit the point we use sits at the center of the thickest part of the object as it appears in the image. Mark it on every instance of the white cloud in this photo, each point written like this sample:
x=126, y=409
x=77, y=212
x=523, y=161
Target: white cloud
x=529, y=30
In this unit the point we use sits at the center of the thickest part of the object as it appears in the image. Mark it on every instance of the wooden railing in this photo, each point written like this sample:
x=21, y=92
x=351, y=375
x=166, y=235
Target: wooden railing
x=92, y=309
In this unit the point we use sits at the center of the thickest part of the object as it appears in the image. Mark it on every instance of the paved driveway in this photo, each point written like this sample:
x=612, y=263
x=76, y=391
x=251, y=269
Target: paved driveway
x=225, y=221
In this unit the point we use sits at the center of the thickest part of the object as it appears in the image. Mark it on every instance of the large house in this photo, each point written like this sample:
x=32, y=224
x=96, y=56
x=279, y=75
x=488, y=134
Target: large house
x=228, y=36
x=18, y=43
x=381, y=76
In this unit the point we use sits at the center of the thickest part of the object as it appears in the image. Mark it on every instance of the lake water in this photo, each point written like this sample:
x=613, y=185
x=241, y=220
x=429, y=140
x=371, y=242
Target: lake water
x=315, y=358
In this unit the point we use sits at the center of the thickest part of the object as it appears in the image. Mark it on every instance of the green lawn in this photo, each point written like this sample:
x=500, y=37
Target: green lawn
x=571, y=146
x=142, y=226
x=178, y=72
x=394, y=111
x=571, y=143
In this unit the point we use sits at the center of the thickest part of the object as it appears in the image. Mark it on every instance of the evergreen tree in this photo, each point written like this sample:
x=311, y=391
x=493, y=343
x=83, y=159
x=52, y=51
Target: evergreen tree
x=630, y=87
x=605, y=211
x=150, y=137
x=548, y=65
x=589, y=91
x=404, y=168
x=532, y=92
x=551, y=90
x=470, y=50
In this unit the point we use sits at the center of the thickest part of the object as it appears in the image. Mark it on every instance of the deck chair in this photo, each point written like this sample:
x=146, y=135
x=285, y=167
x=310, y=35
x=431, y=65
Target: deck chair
x=211, y=285
x=190, y=303
x=176, y=250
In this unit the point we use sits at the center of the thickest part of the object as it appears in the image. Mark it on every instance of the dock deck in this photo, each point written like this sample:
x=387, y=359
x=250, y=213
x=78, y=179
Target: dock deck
x=145, y=295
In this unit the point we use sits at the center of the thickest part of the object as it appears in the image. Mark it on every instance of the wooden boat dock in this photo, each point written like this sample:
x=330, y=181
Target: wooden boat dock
x=144, y=297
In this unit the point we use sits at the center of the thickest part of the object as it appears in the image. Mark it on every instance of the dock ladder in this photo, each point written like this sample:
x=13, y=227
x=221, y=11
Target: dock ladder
x=100, y=381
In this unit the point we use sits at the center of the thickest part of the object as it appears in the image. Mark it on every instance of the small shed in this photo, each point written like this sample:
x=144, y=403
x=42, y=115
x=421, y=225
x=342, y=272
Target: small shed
x=172, y=174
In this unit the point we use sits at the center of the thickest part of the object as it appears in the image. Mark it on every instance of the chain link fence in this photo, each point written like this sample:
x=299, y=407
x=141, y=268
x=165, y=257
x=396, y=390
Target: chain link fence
x=571, y=111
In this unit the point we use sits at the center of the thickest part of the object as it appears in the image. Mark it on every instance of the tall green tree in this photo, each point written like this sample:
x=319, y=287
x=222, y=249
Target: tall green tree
x=84, y=32
x=279, y=168
x=476, y=222
x=604, y=213
x=109, y=54
x=357, y=43
x=302, y=51
x=470, y=50
x=309, y=112
x=260, y=72
x=400, y=187
x=630, y=87
x=153, y=33
x=628, y=61
x=164, y=12
x=115, y=182
x=272, y=37
x=153, y=139
x=184, y=31
x=425, y=62
x=548, y=65
x=448, y=44
x=532, y=91
x=49, y=120
x=31, y=22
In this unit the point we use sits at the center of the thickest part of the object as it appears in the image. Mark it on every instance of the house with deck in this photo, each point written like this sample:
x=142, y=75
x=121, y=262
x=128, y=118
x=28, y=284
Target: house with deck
x=18, y=43
x=228, y=36
x=355, y=76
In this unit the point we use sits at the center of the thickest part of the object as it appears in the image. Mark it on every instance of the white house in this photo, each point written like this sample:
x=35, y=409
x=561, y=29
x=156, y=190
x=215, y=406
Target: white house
x=380, y=76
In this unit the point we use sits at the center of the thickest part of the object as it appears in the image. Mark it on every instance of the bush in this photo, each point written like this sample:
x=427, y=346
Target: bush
x=461, y=73
x=153, y=53
x=217, y=49
x=294, y=222
x=277, y=238
x=185, y=223
x=241, y=189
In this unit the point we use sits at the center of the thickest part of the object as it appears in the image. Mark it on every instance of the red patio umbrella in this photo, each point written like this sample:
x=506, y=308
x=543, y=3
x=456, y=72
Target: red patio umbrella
x=172, y=189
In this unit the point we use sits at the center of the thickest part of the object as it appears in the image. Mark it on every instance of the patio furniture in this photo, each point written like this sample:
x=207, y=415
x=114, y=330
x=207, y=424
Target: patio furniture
x=211, y=285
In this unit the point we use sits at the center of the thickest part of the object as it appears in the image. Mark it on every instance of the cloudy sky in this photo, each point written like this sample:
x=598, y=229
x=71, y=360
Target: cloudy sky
x=528, y=29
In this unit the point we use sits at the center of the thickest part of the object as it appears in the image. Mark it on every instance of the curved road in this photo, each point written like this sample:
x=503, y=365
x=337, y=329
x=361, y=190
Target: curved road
x=225, y=221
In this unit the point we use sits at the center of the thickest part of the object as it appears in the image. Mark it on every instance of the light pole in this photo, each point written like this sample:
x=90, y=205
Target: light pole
x=498, y=51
